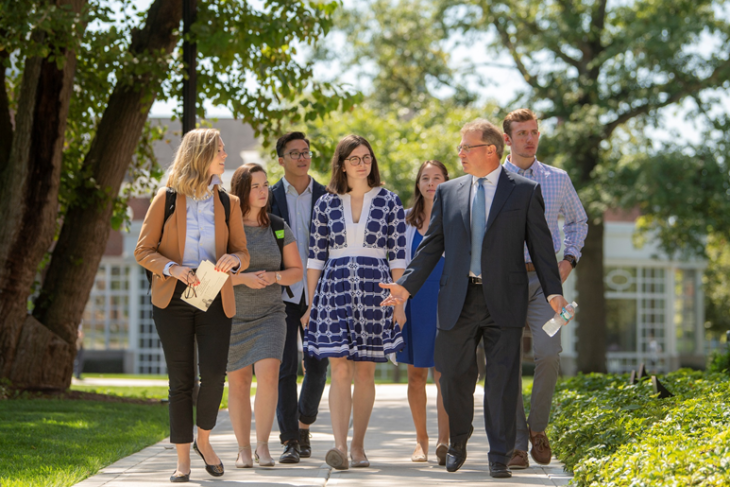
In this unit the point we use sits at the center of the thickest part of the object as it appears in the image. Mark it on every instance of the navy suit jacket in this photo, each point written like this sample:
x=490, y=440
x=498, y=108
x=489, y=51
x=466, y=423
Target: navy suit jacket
x=279, y=206
x=516, y=217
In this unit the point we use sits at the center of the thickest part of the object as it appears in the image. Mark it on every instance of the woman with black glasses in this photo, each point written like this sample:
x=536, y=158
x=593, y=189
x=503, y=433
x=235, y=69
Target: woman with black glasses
x=357, y=240
x=204, y=224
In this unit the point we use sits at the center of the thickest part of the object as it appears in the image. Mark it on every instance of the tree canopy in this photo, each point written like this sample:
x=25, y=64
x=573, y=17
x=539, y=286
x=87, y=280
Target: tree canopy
x=595, y=69
x=78, y=80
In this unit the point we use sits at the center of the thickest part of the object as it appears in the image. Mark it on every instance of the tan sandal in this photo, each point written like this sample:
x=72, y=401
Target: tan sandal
x=360, y=463
x=419, y=457
x=441, y=450
x=239, y=461
x=336, y=459
x=265, y=463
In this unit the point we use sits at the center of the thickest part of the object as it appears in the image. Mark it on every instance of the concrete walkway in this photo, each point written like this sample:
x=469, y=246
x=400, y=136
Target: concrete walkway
x=389, y=443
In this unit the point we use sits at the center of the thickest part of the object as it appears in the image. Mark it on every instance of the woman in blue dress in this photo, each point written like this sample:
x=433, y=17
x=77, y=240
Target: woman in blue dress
x=420, y=334
x=357, y=240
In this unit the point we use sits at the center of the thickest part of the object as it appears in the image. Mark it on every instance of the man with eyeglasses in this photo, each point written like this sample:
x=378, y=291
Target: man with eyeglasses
x=293, y=198
x=482, y=222
x=522, y=135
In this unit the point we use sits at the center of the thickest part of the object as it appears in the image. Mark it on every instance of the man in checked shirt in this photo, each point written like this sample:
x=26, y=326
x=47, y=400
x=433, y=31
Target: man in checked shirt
x=522, y=135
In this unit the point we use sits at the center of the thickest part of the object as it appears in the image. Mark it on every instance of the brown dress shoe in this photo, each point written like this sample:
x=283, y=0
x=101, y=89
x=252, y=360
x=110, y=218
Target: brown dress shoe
x=540, y=452
x=519, y=461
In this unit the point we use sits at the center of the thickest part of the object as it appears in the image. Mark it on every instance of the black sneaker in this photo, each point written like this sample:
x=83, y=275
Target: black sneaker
x=305, y=448
x=291, y=452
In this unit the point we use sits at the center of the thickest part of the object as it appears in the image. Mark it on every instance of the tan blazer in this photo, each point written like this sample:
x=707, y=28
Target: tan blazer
x=154, y=254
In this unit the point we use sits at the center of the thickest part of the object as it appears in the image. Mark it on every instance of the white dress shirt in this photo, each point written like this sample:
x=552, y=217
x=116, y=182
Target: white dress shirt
x=299, y=207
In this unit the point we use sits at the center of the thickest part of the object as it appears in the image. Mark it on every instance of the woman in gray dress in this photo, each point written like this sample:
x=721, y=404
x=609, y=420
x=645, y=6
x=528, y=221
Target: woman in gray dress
x=259, y=327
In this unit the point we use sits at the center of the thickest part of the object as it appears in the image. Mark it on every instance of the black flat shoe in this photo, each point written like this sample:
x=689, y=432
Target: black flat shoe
x=179, y=478
x=214, y=470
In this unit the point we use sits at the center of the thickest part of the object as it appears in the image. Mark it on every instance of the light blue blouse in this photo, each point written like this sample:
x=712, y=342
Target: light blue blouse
x=200, y=231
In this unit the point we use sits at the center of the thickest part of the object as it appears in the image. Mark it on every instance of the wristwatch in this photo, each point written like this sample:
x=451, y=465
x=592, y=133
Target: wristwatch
x=278, y=276
x=571, y=260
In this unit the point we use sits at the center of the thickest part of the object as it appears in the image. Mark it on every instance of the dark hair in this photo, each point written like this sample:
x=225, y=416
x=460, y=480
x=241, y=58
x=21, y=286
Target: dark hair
x=241, y=187
x=338, y=182
x=286, y=138
x=415, y=216
x=517, y=116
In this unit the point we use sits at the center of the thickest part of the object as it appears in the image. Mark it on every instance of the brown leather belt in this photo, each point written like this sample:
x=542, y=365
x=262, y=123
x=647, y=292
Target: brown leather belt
x=530, y=267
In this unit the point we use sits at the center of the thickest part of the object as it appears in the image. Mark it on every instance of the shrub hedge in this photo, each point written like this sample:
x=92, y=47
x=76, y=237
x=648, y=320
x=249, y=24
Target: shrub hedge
x=611, y=434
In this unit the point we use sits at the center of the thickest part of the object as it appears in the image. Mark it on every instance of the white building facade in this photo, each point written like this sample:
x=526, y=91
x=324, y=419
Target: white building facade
x=654, y=307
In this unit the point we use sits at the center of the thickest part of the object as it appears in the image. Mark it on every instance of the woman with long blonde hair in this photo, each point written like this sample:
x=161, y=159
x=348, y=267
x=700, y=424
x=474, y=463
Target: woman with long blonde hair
x=188, y=222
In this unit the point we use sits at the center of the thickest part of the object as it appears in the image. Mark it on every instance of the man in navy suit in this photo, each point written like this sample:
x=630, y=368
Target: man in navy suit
x=481, y=222
x=293, y=198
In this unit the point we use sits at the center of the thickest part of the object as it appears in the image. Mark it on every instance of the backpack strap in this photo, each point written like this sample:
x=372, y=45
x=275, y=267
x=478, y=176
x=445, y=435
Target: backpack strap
x=277, y=228
x=226, y=202
x=170, y=201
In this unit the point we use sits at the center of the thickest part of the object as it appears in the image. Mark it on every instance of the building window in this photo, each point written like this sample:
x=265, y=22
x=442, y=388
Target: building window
x=150, y=358
x=621, y=319
x=106, y=316
x=636, y=318
x=685, y=313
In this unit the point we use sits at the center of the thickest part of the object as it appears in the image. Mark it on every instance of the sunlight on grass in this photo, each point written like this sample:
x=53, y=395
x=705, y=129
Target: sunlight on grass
x=49, y=442
x=143, y=392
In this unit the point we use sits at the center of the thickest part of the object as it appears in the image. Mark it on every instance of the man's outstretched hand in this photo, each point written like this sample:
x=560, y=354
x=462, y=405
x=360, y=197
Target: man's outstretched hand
x=398, y=294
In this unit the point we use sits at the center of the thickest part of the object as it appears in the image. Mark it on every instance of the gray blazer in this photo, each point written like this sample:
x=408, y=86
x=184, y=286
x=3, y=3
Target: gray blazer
x=516, y=217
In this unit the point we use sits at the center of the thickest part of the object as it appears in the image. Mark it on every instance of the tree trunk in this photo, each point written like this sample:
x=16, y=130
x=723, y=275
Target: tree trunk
x=591, y=332
x=44, y=360
x=29, y=205
x=6, y=121
x=86, y=227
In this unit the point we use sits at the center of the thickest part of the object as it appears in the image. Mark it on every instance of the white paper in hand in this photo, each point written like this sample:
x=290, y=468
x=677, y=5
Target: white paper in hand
x=211, y=282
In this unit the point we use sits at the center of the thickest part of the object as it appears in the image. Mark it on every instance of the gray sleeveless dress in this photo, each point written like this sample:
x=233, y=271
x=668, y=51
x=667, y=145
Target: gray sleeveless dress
x=259, y=327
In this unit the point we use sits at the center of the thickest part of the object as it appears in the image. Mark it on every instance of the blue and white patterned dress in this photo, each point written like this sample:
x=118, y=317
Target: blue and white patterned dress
x=346, y=319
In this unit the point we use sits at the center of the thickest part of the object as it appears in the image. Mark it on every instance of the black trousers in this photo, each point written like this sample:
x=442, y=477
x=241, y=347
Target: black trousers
x=178, y=326
x=455, y=356
x=289, y=409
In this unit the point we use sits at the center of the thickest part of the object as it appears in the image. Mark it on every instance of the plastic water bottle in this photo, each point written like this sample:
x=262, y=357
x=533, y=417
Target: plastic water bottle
x=557, y=321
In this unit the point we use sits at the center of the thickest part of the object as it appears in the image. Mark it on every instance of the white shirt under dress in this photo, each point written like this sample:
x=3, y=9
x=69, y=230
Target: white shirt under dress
x=346, y=319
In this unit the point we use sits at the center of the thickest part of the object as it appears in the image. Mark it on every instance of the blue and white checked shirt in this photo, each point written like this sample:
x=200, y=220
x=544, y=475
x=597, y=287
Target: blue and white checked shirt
x=560, y=199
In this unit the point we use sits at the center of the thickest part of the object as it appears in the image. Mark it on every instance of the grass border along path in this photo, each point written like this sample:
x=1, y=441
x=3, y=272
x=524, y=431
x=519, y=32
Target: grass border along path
x=59, y=442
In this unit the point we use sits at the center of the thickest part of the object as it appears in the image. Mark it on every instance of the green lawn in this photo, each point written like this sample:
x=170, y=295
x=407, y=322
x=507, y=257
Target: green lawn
x=144, y=392
x=52, y=442
x=94, y=375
